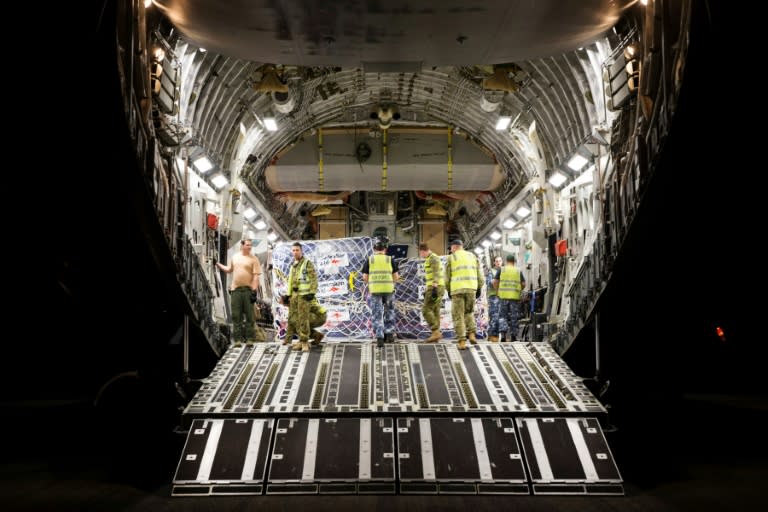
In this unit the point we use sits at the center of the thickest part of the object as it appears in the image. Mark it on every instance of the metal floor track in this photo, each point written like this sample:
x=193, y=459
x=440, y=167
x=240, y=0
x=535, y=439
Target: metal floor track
x=409, y=418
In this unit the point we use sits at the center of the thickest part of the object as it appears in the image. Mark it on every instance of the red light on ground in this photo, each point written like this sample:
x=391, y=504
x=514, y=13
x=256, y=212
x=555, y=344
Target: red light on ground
x=720, y=333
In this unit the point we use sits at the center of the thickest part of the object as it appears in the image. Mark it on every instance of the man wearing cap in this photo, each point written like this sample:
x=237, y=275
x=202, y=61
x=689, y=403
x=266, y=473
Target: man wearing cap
x=433, y=291
x=381, y=273
x=510, y=282
x=464, y=281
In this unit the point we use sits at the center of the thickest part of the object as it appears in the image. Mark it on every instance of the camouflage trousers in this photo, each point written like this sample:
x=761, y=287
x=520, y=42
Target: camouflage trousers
x=382, y=313
x=303, y=317
x=493, y=315
x=463, y=313
x=509, y=312
x=431, y=307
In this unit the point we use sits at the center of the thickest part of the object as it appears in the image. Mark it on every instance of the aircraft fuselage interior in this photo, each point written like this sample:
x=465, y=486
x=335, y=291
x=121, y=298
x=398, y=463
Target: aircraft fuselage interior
x=521, y=140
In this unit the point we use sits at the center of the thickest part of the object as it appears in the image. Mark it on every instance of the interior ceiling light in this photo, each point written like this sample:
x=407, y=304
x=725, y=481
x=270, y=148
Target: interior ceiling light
x=495, y=235
x=249, y=213
x=557, y=179
x=478, y=250
x=202, y=164
x=503, y=123
x=271, y=236
x=219, y=181
x=577, y=162
x=260, y=224
x=523, y=211
x=509, y=223
x=270, y=124
x=486, y=243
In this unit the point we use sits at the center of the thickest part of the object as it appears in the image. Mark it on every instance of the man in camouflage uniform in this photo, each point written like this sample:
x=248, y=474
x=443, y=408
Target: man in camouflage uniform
x=465, y=283
x=317, y=317
x=302, y=287
x=434, y=290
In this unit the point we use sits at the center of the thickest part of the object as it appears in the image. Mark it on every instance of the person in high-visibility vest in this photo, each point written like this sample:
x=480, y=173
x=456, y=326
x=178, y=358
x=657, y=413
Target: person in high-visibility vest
x=381, y=273
x=493, y=301
x=464, y=281
x=434, y=290
x=509, y=283
x=302, y=286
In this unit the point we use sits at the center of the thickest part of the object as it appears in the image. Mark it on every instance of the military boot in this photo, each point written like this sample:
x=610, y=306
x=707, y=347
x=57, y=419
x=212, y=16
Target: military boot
x=296, y=345
x=317, y=337
x=462, y=344
x=493, y=339
x=389, y=338
x=305, y=346
x=436, y=335
x=380, y=342
x=472, y=338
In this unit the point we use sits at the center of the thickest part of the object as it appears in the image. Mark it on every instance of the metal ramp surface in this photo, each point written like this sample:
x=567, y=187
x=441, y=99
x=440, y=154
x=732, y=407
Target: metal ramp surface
x=412, y=418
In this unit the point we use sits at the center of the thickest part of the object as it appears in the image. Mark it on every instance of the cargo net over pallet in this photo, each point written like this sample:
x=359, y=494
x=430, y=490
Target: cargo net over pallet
x=344, y=294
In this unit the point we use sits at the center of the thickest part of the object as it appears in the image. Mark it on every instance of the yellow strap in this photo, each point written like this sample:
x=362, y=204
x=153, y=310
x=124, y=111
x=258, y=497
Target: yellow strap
x=320, y=175
x=384, y=159
x=450, y=158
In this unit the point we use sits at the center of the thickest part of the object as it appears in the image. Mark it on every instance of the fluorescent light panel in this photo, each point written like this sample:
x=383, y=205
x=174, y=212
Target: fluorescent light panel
x=503, y=123
x=270, y=124
x=203, y=164
x=557, y=179
x=219, y=180
x=577, y=162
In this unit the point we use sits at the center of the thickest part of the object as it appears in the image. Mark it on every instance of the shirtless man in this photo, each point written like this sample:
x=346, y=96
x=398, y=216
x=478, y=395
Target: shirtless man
x=245, y=269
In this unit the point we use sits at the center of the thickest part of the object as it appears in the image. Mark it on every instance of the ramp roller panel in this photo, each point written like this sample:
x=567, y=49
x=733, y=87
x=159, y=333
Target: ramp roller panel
x=568, y=456
x=224, y=457
x=405, y=378
x=459, y=456
x=332, y=455
x=577, y=396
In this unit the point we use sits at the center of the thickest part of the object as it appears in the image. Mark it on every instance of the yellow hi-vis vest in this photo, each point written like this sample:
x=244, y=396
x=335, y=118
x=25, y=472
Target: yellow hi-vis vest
x=463, y=271
x=380, y=274
x=301, y=279
x=433, y=268
x=509, y=283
